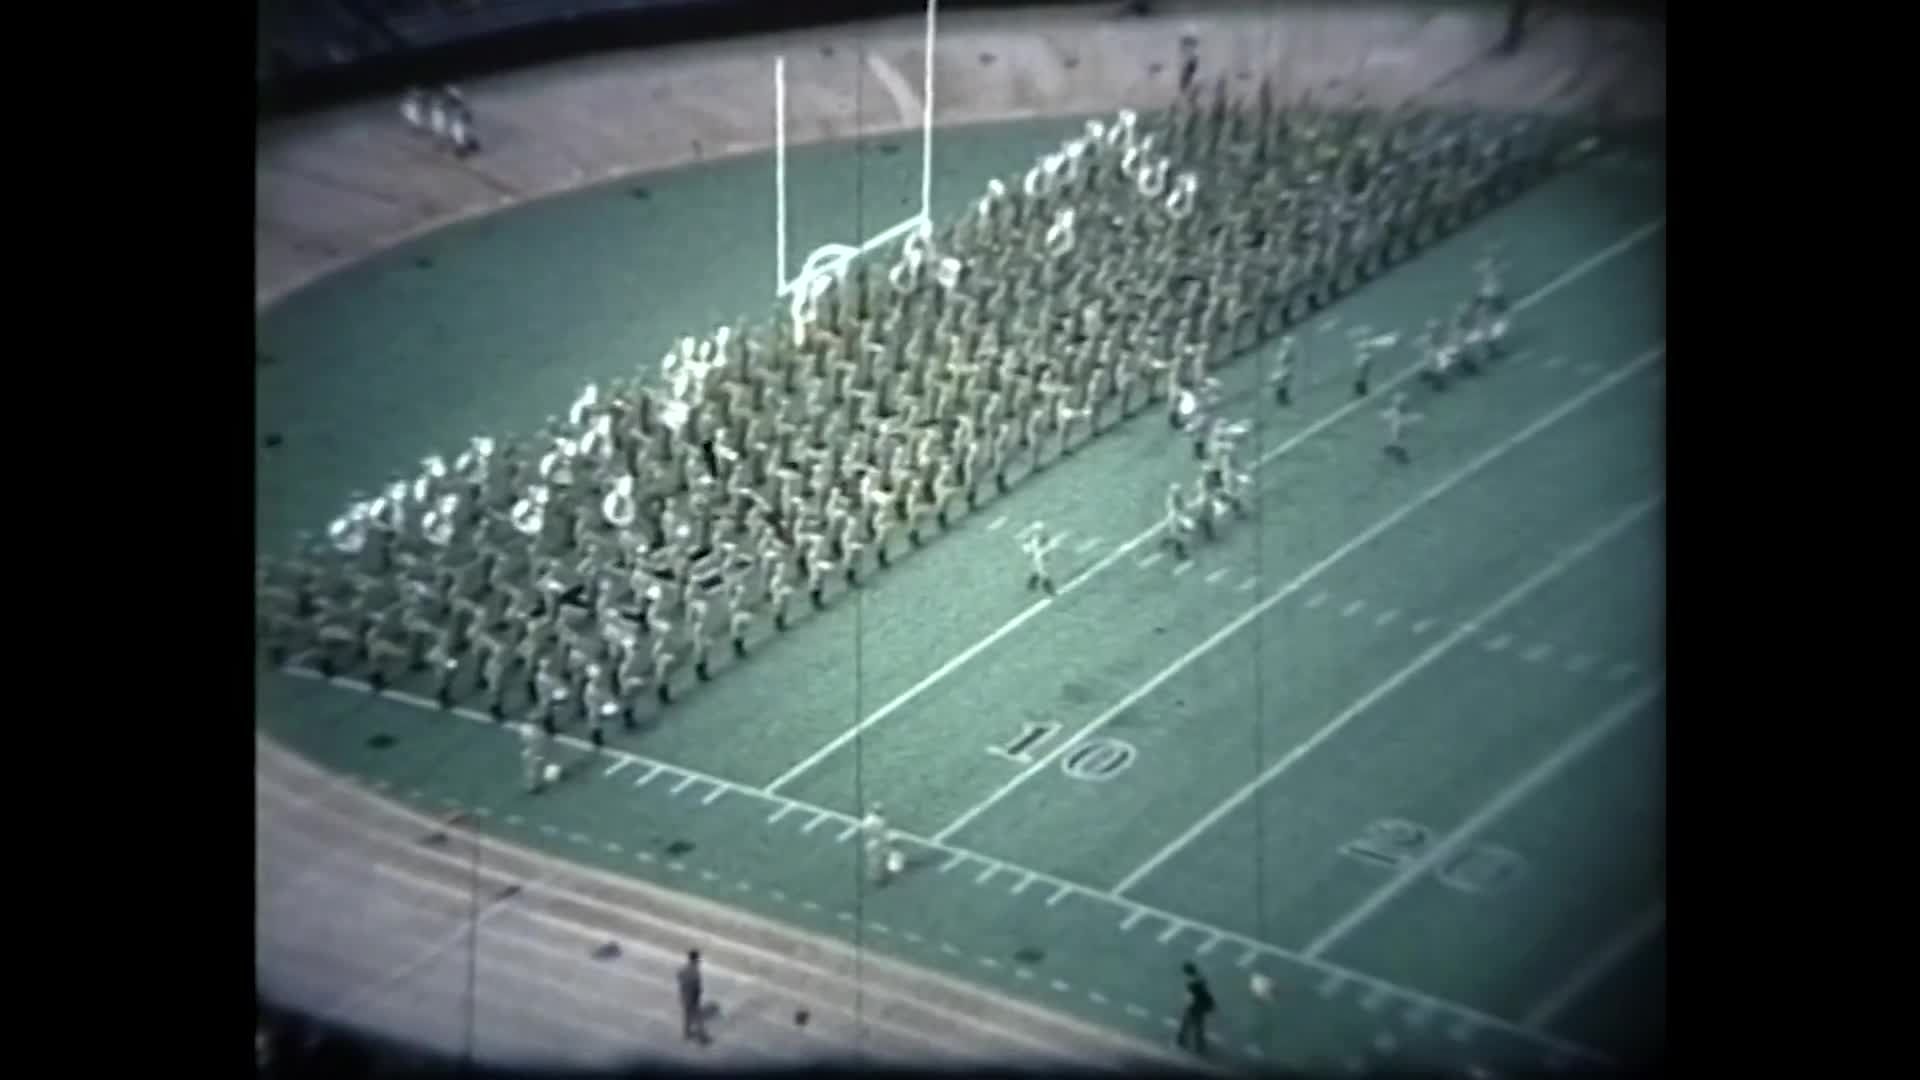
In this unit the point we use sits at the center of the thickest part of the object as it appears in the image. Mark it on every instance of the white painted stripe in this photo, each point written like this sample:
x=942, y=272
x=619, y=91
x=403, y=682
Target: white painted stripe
x=1022, y=886
x=1352, y=609
x=1421, y=626
x=1497, y=643
x=1537, y=653
x=1059, y=894
x=1453, y=480
x=1172, y=931
x=1319, y=598
x=1567, y=277
x=1621, y=672
x=1420, y=663
x=1247, y=958
x=1375, y=998
x=991, y=870
x=1595, y=967
x=1387, y=617
x=1182, y=567
x=686, y=782
x=410, y=699
x=1331, y=985
x=995, y=524
x=1585, y=740
x=1151, y=559
x=1061, y=985
x=649, y=775
x=1557, y=360
x=782, y=812
x=1208, y=945
x=617, y=766
x=1247, y=585
x=846, y=834
x=714, y=796
x=958, y=858
x=1215, y=576
x=1580, y=663
x=818, y=818
x=1131, y=920
x=1089, y=544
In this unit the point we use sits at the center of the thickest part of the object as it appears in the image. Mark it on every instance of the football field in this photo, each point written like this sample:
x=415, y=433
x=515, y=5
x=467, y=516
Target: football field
x=1395, y=741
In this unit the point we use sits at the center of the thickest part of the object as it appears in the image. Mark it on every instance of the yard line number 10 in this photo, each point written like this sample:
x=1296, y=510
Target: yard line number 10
x=1093, y=760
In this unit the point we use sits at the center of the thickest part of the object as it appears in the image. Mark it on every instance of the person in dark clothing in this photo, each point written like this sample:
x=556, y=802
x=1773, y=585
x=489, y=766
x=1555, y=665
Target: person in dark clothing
x=693, y=1021
x=1193, y=1022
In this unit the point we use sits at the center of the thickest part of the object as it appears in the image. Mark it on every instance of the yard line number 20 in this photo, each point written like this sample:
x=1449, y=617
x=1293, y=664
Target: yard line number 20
x=1392, y=843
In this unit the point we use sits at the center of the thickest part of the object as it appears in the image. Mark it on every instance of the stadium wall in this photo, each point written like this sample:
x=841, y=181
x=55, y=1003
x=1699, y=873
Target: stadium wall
x=337, y=183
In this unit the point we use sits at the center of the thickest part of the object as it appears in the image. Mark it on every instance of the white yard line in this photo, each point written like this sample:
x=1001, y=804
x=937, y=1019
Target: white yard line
x=1440, y=648
x=1566, y=278
x=1306, y=576
x=1569, y=752
x=1595, y=967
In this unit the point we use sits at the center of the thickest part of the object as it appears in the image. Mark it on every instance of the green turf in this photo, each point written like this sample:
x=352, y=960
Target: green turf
x=376, y=367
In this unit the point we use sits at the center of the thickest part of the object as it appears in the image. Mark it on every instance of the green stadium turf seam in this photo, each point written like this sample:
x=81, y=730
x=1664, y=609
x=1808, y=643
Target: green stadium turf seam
x=1499, y=607
x=1472, y=468
x=1468, y=1019
x=1566, y=754
x=1566, y=278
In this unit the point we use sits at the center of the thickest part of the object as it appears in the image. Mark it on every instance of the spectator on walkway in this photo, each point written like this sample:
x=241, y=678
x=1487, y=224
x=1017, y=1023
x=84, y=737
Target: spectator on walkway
x=693, y=1020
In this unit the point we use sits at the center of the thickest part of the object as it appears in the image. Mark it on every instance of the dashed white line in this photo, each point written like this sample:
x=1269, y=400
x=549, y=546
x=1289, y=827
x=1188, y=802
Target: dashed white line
x=1247, y=958
x=1352, y=609
x=815, y=823
x=1214, y=578
x=645, y=856
x=846, y=834
x=516, y=819
x=708, y=875
x=1537, y=653
x=1375, y=998
x=1151, y=559
x=1387, y=616
x=953, y=862
x=549, y=830
x=1022, y=886
x=1060, y=894
x=1247, y=585
x=1097, y=997
x=1172, y=931
x=1318, y=599
x=1131, y=920
x=677, y=867
x=648, y=777
x=1498, y=642
x=1207, y=946
x=1062, y=985
x=1580, y=663
x=1421, y=626
x=1137, y=1012
x=992, y=869
x=995, y=524
x=1331, y=985
x=1557, y=360
x=617, y=766
x=685, y=783
x=714, y=795
x=1089, y=544
x=580, y=838
x=1182, y=567
x=780, y=813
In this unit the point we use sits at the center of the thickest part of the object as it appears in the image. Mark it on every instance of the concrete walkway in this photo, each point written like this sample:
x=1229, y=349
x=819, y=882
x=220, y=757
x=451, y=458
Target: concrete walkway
x=336, y=186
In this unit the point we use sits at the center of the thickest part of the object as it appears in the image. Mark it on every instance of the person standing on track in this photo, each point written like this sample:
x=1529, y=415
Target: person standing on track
x=693, y=1021
x=1193, y=1020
